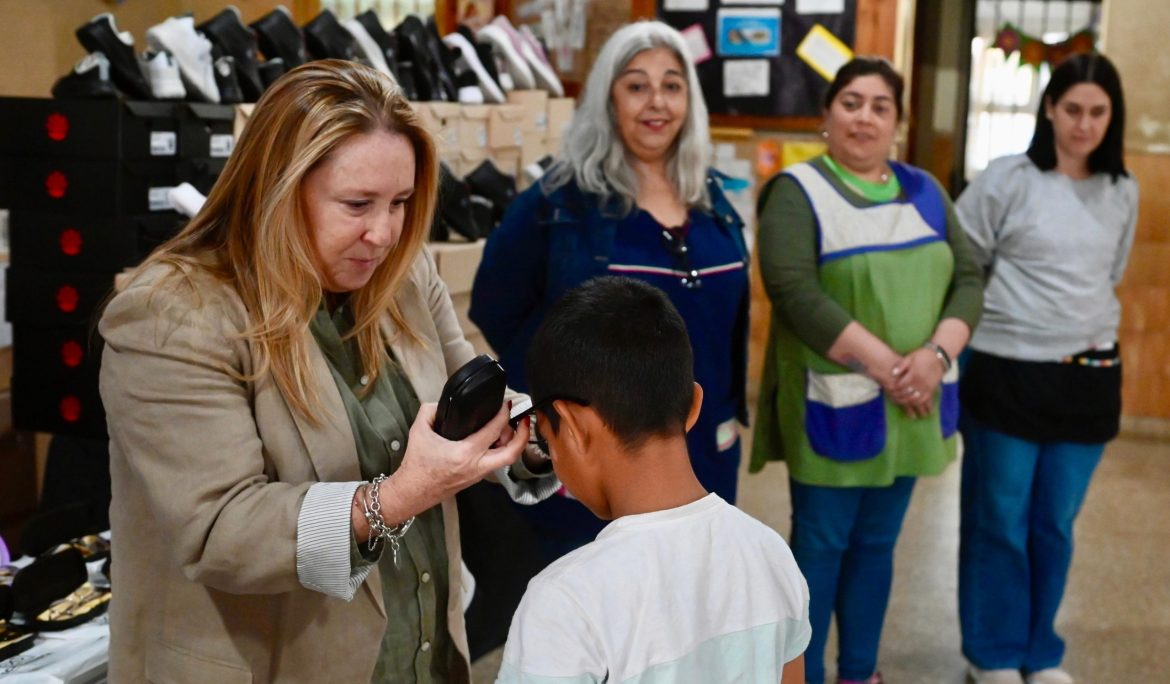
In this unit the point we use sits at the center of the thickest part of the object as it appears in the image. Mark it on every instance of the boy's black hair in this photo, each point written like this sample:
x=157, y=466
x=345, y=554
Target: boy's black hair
x=620, y=345
x=1109, y=157
x=867, y=66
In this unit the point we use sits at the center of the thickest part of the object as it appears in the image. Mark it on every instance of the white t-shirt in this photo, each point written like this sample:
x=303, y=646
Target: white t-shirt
x=700, y=593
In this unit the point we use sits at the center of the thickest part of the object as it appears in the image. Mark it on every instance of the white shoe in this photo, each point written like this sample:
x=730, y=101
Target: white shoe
x=368, y=45
x=1004, y=676
x=1051, y=675
x=163, y=74
x=186, y=199
x=509, y=54
x=546, y=78
x=491, y=90
x=471, y=95
x=192, y=52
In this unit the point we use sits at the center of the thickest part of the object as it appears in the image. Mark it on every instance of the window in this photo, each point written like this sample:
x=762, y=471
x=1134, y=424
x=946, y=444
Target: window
x=1005, y=94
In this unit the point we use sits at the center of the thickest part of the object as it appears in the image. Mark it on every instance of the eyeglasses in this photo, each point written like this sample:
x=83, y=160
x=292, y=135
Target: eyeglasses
x=534, y=437
x=676, y=246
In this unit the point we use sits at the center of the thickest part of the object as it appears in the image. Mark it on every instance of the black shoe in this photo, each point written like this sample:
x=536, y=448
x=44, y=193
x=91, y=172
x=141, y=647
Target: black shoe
x=271, y=70
x=430, y=77
x=454, y=210
x=12, y=642
x=389, y=45
x=228, y=33
x=89, y=80
x=483, y=212
x=486, y=57
x=448, y=60
x=280, y=37
x=489, y=182
x=101, y=34
x=227, y=80
x=326, y=38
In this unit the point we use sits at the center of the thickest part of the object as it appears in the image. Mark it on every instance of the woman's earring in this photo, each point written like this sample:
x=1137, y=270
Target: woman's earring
x=825, y=135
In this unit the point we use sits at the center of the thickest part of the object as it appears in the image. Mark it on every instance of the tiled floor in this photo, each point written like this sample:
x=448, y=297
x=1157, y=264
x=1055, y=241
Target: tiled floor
x=1116, y=615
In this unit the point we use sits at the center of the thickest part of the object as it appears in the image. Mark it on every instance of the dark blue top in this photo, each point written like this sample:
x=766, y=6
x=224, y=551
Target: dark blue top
x=548, y=244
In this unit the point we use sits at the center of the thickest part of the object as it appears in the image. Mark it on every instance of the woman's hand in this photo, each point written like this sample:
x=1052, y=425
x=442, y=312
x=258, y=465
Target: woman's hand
x=434, y=468
x=918, y=376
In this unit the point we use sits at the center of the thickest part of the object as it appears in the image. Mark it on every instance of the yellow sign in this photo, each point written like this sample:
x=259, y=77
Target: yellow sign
x=823, y=51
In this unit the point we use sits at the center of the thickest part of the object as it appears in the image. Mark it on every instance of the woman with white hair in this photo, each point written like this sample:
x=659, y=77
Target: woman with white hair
x=633, y=194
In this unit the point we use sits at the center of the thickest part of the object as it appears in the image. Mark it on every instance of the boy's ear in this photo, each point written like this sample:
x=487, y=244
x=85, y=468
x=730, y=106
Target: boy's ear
x=576, y=424
x=696, y=406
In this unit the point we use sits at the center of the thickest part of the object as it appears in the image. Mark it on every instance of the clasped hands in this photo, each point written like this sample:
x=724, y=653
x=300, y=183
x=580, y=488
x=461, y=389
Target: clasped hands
x=912, y=382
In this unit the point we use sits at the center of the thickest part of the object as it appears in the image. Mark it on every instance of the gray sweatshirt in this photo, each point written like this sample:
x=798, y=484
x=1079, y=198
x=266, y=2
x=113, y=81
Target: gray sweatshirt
x=1053, y=248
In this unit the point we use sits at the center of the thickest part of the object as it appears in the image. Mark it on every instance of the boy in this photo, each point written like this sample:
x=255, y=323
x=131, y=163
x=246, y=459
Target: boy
x=681, y=587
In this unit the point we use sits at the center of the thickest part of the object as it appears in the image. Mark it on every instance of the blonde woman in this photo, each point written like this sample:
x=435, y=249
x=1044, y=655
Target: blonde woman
x=282, y=508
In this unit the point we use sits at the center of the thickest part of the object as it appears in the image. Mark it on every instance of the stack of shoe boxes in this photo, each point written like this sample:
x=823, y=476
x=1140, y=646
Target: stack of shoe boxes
x=534, y=127
x=86, y=184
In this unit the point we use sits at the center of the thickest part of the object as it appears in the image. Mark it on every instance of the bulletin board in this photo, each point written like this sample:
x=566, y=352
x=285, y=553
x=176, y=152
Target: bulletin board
x=764, y=63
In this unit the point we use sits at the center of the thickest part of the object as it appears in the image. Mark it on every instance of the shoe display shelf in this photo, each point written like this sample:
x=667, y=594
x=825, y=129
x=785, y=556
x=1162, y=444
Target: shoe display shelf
x=85, y=182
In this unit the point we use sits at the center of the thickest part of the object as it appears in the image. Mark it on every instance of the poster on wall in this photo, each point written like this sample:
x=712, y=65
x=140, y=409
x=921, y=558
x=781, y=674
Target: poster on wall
x=746, y=51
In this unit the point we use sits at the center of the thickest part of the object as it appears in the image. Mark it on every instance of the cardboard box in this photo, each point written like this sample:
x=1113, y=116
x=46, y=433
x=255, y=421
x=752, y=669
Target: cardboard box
x=473, y=126
x=532, y=151
x=462, y=303
x=507, y=160
x=506, y=126
x=457, y=263
x=469, y=159
x=90, y=129
x=442, y=120
x=560, y=115
x=243, y=113
x=535, y=104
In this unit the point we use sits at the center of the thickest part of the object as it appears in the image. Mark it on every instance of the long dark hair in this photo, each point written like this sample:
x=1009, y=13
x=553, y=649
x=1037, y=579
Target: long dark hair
x=1109, y=157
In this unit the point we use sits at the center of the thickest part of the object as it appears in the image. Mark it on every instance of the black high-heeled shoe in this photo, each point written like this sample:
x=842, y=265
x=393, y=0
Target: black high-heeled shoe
x=12, y=641
x=279, y=36
x=326, y=38
x=227, y=31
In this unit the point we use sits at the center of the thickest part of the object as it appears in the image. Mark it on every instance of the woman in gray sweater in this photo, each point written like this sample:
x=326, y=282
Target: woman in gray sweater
x=1041, y=390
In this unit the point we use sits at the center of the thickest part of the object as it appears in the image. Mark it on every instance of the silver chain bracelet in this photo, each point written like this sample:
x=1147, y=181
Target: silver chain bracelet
x=379, y=530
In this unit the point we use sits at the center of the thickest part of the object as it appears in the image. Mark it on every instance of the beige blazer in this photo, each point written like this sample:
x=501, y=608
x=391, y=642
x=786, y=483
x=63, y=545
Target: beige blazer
x=208, y=477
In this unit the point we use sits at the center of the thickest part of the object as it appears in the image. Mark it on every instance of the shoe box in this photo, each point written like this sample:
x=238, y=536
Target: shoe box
x=41, y=297
x=80, y=243
x=86, y=183
x=99, y=187
x=442, y=120
x=560, y=115
x=55, y=380
x=207, y=131
x=534, y=124
x=113, y=129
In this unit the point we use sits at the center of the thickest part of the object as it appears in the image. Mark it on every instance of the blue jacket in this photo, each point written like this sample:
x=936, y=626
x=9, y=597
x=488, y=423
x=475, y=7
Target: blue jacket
x=548, y=244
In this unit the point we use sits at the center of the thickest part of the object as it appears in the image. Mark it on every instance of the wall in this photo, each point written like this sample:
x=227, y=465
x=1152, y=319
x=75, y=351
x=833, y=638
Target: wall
x=40, y=45
x=1132, y=29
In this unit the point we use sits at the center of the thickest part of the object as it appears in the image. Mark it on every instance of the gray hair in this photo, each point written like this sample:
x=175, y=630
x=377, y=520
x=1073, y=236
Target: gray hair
x=593, y=153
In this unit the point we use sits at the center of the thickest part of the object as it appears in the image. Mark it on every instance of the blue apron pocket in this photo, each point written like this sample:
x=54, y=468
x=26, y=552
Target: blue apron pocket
x=844, y=416
x=948, y=403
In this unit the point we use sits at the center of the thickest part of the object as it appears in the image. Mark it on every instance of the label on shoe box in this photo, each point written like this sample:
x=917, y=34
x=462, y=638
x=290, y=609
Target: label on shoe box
x=158, y=200
x=222, y=145
x=164, y=144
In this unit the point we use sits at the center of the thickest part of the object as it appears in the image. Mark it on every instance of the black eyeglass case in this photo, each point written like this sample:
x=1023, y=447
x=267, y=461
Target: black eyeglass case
x=471, y=398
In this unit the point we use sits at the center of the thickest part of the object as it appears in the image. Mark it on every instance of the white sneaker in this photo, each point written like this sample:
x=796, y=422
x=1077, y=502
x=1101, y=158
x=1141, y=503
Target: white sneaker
x=491, y=90
x=471, y=95
x=545, y=78
x=542, y=68
x=368, y=46
x=192, y=52
x=509, y=54
x=1004, y=676
x=163, y=74
x=1051, y=675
